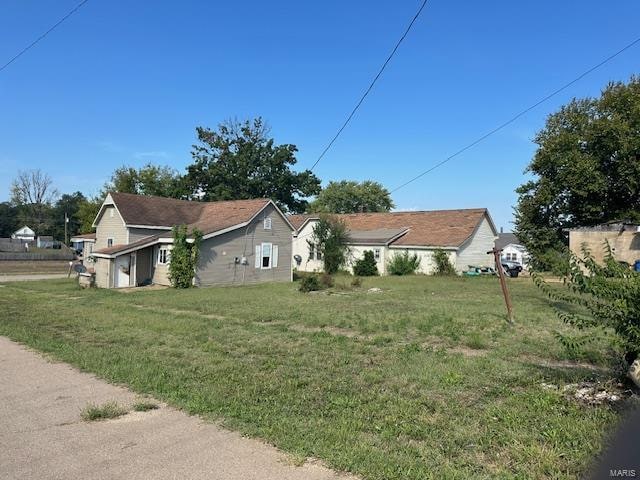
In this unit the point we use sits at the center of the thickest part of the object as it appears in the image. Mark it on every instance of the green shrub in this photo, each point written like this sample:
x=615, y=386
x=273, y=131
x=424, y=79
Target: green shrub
x=609, y=294
x=443, y=263
x=366, y=266
x=330, y=238
x=403, y=264
x=309, y=284
x=184, y=257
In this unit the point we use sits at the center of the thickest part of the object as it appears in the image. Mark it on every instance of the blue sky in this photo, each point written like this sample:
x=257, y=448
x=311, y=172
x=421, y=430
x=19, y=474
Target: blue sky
x=128, y=82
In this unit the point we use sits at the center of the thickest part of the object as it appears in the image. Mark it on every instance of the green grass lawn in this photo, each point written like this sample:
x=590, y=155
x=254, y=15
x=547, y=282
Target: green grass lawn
x=423, y=380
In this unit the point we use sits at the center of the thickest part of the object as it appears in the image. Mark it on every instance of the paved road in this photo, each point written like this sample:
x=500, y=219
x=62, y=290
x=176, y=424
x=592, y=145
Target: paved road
x=30, y=276
x=43, y=437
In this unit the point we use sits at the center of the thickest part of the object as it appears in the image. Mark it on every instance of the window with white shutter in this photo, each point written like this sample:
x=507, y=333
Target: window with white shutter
x=258, y=256
x=266, y=255
x=274, y=256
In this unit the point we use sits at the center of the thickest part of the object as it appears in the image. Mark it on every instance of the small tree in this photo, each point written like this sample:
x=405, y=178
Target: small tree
x=403, y=263
x=443, y=263
x=366, y=266
x=610, y=293
x=330, y=238
x=184, y=257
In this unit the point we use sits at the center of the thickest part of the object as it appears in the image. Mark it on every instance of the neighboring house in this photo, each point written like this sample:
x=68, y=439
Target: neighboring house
x=25, y=233
x=466, y=235
x=512, y=249
x=623, y=238
x=84, y=243
x=244, y=241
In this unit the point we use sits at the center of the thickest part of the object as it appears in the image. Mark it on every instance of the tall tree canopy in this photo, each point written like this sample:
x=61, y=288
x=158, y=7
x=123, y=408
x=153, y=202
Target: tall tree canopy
x=161, y=181
x=32, y=192
x=586, y=168
x=348, y=196
x=8, y=219
x=67, y=205
x=240, y=161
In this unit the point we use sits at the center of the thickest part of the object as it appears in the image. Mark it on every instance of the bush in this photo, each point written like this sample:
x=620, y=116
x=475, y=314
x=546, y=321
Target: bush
x=443, y=263
x=330, y=238
x=403, y=264
x=608, y=292
x=184, y=257
x=309, y=284
x=366, y=266
x=356, y=282
x=326, y=280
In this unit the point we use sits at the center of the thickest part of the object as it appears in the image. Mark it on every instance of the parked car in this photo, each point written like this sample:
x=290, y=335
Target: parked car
x=475, y=271
x=512, y=268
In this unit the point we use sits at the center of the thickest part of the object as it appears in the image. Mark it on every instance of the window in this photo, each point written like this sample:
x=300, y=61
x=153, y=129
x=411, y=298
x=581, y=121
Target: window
x=109, y=242
x=111, y=210
x=266, y=223
x=164, y=256
x=312, y=250
x=376, y=254
x=266, y=255
x=318, y=253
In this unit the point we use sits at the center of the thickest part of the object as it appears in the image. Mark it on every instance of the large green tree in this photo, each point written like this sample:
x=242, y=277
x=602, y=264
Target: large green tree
x=586, y=169
x=348, y=196
x=67, y=206
x=8, y=219
x=162, y=181
x=239, y=161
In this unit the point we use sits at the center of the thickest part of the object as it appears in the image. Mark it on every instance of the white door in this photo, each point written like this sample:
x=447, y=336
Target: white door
x=122, y=271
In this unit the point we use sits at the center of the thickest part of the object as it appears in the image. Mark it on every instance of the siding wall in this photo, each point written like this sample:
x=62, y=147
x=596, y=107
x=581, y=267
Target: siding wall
x=136, y=234
x=217, y=265
x=625, y=245
x=300, y=247
x=109, y=226
x=160, y=272
x=103, y=270
x=474, y=252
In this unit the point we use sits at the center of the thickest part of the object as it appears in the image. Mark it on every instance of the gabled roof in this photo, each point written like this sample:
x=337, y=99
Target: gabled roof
x=164, y=213
x=434, y=228
x=505, y=239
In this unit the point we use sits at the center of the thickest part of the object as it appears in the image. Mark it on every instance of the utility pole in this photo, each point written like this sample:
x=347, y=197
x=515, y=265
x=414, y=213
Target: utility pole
x=503, y=284
x=66, y=221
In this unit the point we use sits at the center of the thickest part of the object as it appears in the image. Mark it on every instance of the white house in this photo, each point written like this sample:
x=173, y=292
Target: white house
x=466, y=235
x=512, y=249
x=24, y=233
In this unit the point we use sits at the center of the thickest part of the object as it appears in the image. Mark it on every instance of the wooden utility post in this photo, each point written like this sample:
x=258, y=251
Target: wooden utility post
x=503, y=284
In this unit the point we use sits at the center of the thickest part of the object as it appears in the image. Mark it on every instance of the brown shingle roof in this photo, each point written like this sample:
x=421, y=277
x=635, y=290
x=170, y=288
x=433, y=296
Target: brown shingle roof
x=437, y=228
x=208, y=217
x=133, y=245
x=88, y=236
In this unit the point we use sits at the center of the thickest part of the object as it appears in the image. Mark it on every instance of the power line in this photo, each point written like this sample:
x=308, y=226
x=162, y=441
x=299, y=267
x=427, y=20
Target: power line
x=32, y=44
x=375, y=79
x=517, y=116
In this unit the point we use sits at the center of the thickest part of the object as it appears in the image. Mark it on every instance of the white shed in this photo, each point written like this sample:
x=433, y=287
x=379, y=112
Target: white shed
x=25, y=233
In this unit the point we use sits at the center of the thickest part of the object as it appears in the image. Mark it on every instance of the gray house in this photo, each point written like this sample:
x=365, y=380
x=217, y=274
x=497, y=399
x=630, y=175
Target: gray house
x=244, y=241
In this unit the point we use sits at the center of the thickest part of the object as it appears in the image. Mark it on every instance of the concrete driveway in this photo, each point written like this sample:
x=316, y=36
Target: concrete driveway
x=42, y=435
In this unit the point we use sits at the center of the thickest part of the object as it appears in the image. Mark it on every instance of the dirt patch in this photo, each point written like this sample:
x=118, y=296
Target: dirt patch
x=467, y=352
x=146, y=288
x=176, y=311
